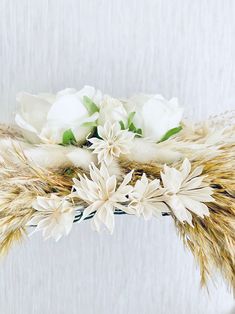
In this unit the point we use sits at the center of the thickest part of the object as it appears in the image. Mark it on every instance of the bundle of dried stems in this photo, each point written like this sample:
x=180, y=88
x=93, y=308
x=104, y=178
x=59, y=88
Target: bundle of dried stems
x=212, y=240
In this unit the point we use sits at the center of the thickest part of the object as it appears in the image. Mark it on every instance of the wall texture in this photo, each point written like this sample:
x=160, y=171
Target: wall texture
x=178, y=48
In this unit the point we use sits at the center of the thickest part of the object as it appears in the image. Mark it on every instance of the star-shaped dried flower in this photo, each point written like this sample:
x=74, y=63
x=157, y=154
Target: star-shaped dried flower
x=186, y=191
x=147, y=198
x=102, y=194
x=54, y=216
x=112, y=142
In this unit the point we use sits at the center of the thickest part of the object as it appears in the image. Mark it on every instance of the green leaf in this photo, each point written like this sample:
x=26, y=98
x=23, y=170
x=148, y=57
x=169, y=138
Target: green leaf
x=90, y=105
x=130, y=125
x=130, y=118
x=139, y=132
x=122, y=125
x=68, y=137
x=132, y=128
x=69, y=171
x=170, y=133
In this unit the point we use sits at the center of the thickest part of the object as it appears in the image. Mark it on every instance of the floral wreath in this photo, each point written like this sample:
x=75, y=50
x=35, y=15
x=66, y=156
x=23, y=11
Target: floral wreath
x=81, y=155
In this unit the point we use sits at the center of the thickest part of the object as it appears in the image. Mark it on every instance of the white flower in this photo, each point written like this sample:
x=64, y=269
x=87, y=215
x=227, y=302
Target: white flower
x=112, y=110
x=147, y=198
x=45, y=118
x=102, y=195
x=54, y=216
x=113, y=142
x=186, y=191
x=154, y=114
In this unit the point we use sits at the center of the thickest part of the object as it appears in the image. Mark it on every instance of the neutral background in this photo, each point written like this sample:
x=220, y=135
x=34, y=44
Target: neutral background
x=178, y=48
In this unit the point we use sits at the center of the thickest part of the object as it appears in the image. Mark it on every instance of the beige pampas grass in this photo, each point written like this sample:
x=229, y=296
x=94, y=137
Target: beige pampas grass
x=211, y=241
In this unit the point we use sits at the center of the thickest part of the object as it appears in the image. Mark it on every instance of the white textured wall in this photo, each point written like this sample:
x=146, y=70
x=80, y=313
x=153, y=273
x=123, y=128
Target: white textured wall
x=178, y=48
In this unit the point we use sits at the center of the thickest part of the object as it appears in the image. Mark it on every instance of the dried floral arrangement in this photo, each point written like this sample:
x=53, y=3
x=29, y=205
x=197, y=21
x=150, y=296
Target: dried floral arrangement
x=81, y=155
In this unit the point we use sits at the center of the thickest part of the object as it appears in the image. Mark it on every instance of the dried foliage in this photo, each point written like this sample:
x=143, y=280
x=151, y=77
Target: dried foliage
x=20, y=183
x=212, y=240
x=9, y=132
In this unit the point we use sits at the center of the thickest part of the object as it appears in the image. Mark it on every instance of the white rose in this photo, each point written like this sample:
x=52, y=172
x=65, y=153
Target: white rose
x=45, y=117
x=154, y=114
x=112, y=110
